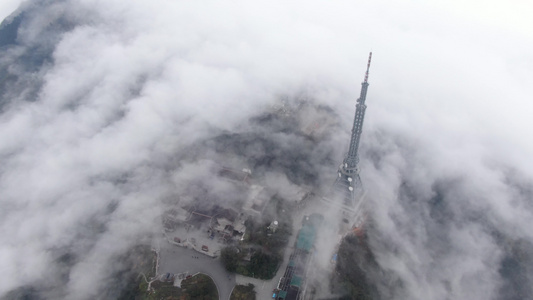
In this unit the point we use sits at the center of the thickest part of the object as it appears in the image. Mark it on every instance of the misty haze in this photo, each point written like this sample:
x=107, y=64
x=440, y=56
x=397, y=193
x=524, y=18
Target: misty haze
x=216, y=150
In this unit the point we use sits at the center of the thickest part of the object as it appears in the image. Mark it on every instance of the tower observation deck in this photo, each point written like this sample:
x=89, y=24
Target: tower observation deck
x=347, y=190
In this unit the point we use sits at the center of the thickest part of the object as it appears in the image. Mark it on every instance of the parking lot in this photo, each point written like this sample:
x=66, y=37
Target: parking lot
x=175, y=259
x=197, y=239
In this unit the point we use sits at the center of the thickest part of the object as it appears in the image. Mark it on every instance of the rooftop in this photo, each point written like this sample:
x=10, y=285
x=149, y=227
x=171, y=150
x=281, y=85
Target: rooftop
x=306, y=238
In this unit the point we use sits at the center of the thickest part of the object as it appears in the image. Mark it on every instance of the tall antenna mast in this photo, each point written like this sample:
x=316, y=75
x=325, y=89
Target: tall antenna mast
x=348, y=181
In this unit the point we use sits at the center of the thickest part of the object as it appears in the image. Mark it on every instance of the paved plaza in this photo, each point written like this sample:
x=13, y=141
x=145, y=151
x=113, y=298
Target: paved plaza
x=175, y=259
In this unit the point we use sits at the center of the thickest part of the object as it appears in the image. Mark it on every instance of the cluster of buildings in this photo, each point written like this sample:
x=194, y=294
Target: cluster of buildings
x=207, y=229
x=205, y=232
x=291, y=285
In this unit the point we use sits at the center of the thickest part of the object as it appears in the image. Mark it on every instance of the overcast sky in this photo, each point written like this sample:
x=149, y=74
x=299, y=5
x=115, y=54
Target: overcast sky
x=7, y=7
x=131, y=84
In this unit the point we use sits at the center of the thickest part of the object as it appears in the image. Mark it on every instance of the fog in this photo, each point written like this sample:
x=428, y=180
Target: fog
x=110, y=108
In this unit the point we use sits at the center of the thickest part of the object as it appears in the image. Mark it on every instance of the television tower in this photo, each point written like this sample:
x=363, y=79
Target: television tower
x=348, y=184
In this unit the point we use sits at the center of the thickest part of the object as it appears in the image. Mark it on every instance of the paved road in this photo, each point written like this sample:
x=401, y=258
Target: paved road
x=175, y=259
x=264, y=288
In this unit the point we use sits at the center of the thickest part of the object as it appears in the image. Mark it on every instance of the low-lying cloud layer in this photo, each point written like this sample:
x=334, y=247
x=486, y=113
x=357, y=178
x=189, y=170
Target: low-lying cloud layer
x=108, y=107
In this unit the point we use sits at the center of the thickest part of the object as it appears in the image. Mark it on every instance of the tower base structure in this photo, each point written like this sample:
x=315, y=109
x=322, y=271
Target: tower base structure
x=347, y=196
x=347, y=185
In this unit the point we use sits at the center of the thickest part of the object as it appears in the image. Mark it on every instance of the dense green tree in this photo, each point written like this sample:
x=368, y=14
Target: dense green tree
x=230, y=258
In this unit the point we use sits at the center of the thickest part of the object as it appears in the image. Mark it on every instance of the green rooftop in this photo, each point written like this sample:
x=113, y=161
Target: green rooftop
x=296, y=281
x=306, y=238
x=292, y=263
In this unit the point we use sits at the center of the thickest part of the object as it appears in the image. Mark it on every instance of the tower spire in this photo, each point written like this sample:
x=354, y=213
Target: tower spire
x=368, y=66
x=348, y=181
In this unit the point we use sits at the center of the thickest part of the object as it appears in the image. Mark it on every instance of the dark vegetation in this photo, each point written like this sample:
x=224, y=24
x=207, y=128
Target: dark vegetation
x=273, y=142
x=353, y=263
x=265, y=153
x=24, y=293
x=18, y=69
x=139, y=261
x=259, y=234
x=515, y=268
x=261, y=252
x=199, y=287
x=243, y=292
x=162, y=290
x=8, y=30
x=261, y=265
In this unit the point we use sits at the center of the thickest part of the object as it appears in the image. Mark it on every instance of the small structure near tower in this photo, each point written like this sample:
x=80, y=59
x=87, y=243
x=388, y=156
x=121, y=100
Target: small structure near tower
x=228, y=224
x=273, y=226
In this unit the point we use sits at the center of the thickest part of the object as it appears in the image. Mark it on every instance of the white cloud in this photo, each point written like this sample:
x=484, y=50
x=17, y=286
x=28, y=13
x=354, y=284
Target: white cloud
x=7, y=7
x=135, y=83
